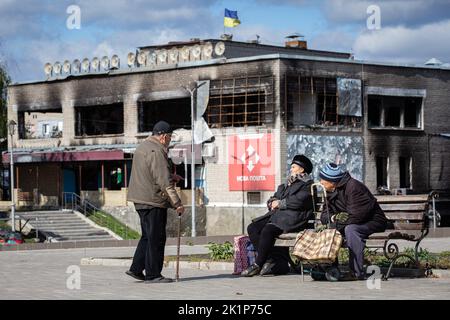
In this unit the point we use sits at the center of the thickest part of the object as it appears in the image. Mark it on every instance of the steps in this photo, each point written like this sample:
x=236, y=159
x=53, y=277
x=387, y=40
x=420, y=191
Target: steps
x=63, y=226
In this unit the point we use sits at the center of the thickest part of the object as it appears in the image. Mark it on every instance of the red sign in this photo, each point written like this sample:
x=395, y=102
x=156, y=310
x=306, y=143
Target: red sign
x=251, y=164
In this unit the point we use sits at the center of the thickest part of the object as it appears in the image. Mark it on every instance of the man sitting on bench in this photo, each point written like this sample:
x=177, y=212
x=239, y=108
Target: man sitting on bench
x=354, y=210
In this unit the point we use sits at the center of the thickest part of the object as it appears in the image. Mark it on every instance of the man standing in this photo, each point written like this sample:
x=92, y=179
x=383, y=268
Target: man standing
x=354, y=210
x=152, y=191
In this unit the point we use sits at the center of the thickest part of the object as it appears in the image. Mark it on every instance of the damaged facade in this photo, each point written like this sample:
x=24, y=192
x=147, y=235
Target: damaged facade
x=387, y=123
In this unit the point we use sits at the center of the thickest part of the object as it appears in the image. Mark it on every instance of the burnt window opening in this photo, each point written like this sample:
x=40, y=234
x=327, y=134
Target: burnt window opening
x=394, y=112
x=412, y=112
x=314, y=101
x=45, y=124
x=405, y=167
x=374, y=112
x=382, y=171
x=392, y=116
x=241, y=102
x=99, y=120
x=177, y=112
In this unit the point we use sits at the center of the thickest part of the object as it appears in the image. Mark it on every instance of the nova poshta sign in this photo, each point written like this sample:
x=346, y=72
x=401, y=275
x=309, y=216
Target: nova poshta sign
x=251, y=163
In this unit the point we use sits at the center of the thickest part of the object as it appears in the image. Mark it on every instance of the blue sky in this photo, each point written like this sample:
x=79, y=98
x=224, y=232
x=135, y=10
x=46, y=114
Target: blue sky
x=33, y=32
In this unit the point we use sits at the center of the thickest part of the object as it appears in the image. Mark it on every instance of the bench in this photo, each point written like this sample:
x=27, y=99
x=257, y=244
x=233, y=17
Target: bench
x=408, y=217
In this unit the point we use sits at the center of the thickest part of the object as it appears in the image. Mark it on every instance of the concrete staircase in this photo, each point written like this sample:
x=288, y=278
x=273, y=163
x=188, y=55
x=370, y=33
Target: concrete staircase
x=63, y=226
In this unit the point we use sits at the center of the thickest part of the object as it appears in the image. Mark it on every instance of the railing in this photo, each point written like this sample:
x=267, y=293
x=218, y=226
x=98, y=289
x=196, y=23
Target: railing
x=72, y=201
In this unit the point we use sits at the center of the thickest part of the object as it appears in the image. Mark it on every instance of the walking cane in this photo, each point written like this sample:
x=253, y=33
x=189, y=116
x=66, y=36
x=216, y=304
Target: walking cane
x=177, y=276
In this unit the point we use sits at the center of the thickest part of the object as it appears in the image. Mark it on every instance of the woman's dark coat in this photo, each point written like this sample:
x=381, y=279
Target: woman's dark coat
x=295, y=207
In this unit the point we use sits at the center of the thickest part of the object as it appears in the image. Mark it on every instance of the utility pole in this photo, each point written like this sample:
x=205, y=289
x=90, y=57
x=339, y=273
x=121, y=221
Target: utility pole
x=193, y=117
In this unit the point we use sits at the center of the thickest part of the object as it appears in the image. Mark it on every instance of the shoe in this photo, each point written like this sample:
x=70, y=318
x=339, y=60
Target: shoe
x=136, y=276
x=160, y=279
x=266, y=269
x=251, y=271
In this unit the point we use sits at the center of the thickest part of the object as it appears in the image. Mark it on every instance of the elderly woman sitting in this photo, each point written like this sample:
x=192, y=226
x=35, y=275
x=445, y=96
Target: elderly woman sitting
x=290, y=208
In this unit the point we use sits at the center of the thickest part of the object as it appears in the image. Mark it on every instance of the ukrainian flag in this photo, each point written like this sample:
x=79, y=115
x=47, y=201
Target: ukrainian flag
x=231, y=19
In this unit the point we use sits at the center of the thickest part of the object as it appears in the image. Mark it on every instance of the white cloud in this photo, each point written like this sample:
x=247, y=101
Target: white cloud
x=393, y=12
x=401, y=44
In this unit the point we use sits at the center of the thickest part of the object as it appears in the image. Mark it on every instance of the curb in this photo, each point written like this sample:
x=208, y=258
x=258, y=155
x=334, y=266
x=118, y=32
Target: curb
x=442, y=274
x=200, y=265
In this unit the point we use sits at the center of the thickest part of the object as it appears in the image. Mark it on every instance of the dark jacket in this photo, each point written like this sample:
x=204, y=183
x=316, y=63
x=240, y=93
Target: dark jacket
x=150, y=182
x=295, y=209
x=353, y=197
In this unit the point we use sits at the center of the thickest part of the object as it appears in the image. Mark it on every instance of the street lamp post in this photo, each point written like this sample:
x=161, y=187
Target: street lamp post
x=12, y=126
x=193, y=116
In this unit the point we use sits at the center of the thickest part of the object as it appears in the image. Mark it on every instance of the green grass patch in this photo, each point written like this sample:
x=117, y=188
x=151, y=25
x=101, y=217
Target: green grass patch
x=108, y=221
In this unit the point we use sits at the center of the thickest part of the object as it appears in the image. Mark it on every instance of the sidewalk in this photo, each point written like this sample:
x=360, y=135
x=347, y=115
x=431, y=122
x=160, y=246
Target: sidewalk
x=43, y=275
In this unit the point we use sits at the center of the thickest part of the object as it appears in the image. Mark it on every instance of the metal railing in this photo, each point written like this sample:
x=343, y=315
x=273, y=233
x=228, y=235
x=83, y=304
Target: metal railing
x=72, y=201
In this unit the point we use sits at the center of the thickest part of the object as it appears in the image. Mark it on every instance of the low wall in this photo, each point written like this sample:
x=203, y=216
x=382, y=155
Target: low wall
x=228, y=220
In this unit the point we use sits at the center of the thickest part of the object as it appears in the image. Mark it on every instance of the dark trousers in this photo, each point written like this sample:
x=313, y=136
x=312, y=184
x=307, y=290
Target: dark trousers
x=356, y=236
x=149, y=255
x=263, y=235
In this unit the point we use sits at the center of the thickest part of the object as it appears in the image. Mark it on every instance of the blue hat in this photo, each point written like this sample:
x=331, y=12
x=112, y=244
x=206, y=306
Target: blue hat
x=331, y=172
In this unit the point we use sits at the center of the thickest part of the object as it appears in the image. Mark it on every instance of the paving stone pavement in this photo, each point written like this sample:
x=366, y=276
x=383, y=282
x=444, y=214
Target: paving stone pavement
x=42, y=275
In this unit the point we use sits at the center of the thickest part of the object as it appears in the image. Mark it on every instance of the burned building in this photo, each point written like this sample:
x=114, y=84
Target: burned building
x=388, y=123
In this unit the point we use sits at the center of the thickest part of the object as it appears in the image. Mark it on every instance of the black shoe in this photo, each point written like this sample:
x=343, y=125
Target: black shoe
x=251, y=271
x=266, y=270
x=160, y=279
x=137, y=276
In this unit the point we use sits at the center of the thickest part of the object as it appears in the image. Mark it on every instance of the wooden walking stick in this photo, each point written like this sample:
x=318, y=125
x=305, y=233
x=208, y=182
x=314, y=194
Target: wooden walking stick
x=177, y=276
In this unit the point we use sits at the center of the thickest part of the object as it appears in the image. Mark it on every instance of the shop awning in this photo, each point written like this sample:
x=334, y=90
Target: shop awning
x=64, y=156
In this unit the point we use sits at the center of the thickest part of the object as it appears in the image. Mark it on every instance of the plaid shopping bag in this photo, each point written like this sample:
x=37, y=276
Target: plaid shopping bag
x=322, y=246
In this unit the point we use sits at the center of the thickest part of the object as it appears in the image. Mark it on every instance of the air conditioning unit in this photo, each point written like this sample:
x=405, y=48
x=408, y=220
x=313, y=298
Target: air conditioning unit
x=209, y=150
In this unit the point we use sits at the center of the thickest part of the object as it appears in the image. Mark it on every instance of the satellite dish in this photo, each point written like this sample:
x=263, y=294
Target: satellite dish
x=48, y=68
x=95, y=64
x=184, y=54
x=66, y=67
x=162, y=56
x=152, y=58
x=196, y=52
x=57, y=68
x=115, y=62
x=76, y=66
x=219, y=49
x=207, y=50
x=141, y=58
x=173, y=55
x=131, y=59
x=105, y=63
x=85, y=65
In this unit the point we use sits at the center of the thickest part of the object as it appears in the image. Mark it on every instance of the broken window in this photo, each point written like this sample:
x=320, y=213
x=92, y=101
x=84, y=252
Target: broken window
x=405, y=164
x=374, y=112
x=394, y=112
x=43, y=124
x=382, y=171
x=315, y=101
x=177, y=112
x=241, y=102
x=99, y=120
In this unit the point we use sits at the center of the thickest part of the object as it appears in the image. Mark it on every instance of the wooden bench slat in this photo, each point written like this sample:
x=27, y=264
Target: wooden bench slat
x=396, y=234
x=408, y=226
x=403, y=206
x=404, y=215
x=403, y=198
